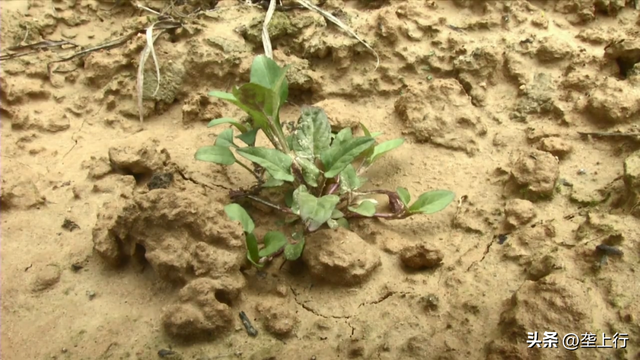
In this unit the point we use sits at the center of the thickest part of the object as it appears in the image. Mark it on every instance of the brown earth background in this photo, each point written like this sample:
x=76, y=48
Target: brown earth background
x=491, y=97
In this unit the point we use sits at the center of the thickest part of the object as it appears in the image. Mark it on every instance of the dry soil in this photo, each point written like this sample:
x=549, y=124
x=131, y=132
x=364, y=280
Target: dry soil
x=115, y=244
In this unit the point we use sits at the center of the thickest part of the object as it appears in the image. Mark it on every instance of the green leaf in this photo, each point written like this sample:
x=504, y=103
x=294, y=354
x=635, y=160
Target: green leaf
x=236, y=212
x=275, y=162
x=336, y=214
x=312, y=210
x=344, y=223
x=383, y=148
x=336, y=159
x=249, y=137
x=291, y=218
x=258, y=99
x=313, y=133
x=404, y=195
x=309, y=171
x=289, y=140
x=288, y=197
x=367, y=133
x=365, y=130
x=225, y=139
x=273, y=241
x=252, y=250
x=271, y=182
x=332, y=224
x=266, y=72
x=432, y=202
x=293, y=251
x=259, y=119
x=349, y=180
x=215, y=154
x=231, y=121
x=342, y=136
x=366, y=208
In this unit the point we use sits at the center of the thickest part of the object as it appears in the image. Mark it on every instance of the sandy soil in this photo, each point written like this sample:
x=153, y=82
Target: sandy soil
x=491, y=97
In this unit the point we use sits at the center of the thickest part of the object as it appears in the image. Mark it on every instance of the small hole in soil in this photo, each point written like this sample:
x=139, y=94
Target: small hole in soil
x=139, y=256
x=223, y=297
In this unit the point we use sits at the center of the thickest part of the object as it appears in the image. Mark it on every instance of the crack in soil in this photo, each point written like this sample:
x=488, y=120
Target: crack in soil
x=384, y=297
x=486, y=251
x=212, y=187
x=311, y=310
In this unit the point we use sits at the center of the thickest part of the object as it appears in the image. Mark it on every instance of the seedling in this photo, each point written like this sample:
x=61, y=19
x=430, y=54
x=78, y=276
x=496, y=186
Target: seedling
x=319, y=172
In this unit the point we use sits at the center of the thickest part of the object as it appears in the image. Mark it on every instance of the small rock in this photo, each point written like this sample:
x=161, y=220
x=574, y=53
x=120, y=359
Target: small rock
x=419, y=256
x=519, y=212
x=340, y=256
x=537, y=172
x=556, y=146
x=46, y=277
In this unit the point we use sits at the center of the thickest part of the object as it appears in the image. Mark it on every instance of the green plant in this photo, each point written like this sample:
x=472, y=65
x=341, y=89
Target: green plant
x=318, y=171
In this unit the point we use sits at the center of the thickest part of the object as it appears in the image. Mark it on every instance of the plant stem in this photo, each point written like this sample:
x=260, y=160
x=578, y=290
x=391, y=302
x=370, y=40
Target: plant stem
x=392, y=216
x=333, y=188
x=266, y=203
x=361, y=169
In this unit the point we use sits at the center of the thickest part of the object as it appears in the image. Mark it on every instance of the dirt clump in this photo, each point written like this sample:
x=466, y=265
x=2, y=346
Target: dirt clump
x=278, y=318
x=200, y=107
x=18, y=189
x=420, y=256
x=519, y=212
x=198, y=315
x=614, y=102
x=556, y=146
x=140, y=159
x=46, y=277
x=536, y=172
x=529, y=307
x=441, y=113
x=626, y=54
x=553, y=49
x=632, y=181
x=538, y=98
x=179, y=241
x=340, y=257
x=478, y=71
